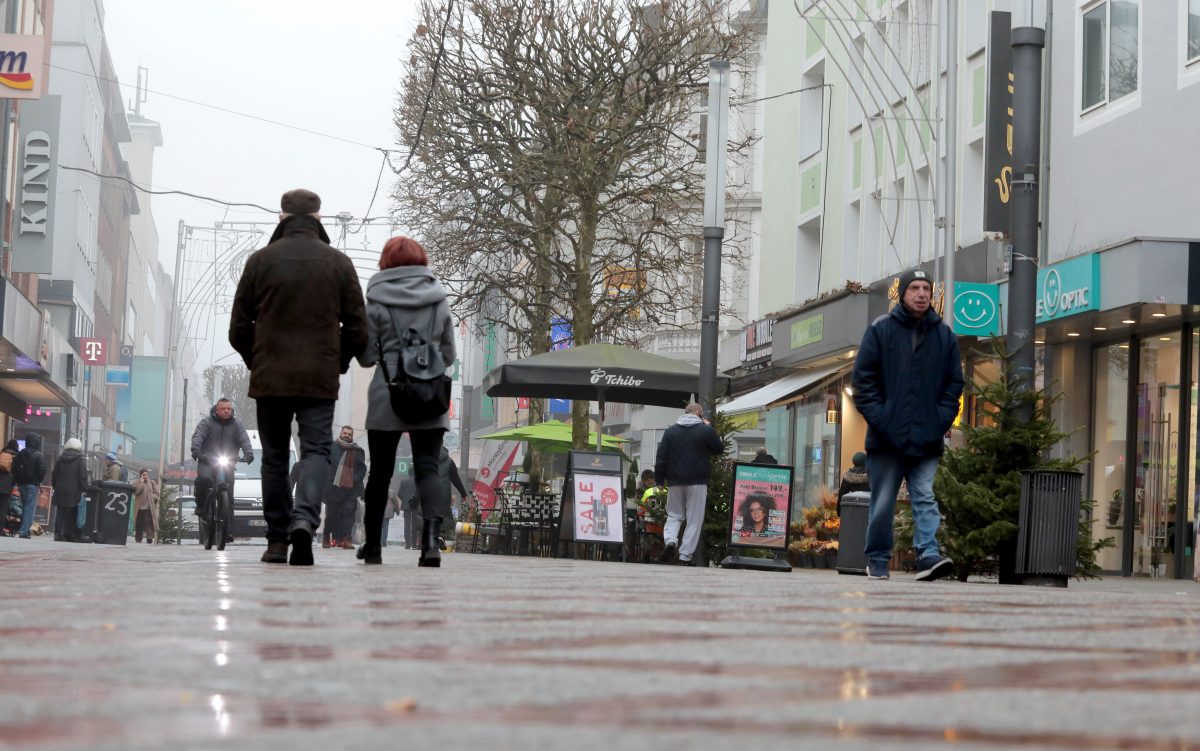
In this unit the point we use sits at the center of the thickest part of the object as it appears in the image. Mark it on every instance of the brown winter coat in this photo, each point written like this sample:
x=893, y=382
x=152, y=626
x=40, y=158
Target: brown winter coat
x=145, y=494
x=298, y=316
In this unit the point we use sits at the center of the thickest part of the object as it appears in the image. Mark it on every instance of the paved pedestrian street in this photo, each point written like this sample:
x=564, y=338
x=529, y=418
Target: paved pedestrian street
x=140, y=647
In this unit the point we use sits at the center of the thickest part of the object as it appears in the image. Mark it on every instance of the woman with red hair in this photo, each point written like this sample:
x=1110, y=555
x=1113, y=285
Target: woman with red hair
x=404, y=295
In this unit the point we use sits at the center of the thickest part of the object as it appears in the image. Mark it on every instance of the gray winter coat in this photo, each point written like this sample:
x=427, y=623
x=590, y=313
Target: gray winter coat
x=409, y=294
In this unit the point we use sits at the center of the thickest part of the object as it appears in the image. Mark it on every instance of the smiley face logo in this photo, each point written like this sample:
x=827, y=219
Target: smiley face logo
x=974, y=310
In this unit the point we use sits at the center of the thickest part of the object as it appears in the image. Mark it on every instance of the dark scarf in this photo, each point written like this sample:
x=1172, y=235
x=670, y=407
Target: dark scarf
x=300, y=224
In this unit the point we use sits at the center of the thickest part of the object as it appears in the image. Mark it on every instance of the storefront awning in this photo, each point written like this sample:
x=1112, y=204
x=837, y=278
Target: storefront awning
x=17, y=393
x=779, y=390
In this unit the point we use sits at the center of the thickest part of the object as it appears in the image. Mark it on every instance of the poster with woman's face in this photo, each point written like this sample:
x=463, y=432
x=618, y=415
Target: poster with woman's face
x=761, y=500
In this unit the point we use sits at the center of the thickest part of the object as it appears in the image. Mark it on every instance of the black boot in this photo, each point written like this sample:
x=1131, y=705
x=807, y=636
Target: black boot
x=430, y=554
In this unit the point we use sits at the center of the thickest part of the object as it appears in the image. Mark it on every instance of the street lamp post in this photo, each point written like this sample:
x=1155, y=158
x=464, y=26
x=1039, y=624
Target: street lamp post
x=714, y=226
x=1028, y=41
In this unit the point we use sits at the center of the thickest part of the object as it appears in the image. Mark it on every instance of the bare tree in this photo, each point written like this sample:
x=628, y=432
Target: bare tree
x=555, y=169
x=232, y=382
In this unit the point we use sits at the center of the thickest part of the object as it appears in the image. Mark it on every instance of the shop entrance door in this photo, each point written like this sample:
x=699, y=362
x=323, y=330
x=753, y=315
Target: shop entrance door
x=1155, y=504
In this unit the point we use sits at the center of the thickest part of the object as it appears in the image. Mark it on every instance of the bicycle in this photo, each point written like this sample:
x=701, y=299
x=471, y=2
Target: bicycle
x=218, y=507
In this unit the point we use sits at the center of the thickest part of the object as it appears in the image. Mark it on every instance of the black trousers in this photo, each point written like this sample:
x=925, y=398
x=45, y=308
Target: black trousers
x=315, y=420
x=426, y=445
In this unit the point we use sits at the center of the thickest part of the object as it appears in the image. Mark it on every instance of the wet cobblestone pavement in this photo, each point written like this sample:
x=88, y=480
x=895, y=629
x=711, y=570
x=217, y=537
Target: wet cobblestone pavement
x=140, y=647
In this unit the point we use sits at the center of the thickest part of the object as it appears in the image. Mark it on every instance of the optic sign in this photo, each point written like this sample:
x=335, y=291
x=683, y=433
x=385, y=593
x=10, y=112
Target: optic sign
x=21, y=66
x=1068, y=288
x=93, y=352
x=601, y=375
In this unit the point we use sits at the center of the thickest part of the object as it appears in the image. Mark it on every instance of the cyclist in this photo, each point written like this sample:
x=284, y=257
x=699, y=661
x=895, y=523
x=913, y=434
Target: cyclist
x=219, y=434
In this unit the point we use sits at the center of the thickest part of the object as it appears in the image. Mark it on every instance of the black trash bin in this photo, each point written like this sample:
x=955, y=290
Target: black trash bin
x=109, y=506
x=852, y=535
x=1048, y=536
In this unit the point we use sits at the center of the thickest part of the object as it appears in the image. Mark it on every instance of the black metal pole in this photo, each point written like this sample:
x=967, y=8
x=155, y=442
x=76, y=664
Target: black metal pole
x=1027, y=43
x=710, y=316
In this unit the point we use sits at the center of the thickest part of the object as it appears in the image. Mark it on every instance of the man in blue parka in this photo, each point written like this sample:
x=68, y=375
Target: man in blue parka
x=907, y=382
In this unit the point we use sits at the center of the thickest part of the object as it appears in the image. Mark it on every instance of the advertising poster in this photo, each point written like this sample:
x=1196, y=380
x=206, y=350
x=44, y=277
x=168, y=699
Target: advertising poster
x=599, y=512
x=762, y=498
x=496, y=459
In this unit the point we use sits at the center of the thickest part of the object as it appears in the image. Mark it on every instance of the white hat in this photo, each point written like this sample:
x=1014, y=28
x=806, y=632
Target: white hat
x=73, y=443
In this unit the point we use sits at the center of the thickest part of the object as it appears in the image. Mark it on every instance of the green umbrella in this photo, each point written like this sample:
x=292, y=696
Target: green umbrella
x=553, y=436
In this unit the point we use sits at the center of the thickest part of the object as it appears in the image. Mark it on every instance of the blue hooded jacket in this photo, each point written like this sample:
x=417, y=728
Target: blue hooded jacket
x=907, y=382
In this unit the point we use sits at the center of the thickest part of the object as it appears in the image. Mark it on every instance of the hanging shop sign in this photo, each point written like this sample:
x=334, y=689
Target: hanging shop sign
x=37, y=182
x=976, y=309
x=1068, y=287
x=756, y=341
x=998, y=136
x=21, y=67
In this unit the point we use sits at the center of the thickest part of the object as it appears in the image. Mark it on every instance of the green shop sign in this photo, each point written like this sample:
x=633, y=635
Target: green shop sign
x=808, y=331
x=1069, y=287
x=976, y=309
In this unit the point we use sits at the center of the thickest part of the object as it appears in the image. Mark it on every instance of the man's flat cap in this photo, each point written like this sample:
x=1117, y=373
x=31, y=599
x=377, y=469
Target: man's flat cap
x=300, y=201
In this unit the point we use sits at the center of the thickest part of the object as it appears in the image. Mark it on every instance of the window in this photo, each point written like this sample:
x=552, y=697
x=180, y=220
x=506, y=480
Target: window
x=1110, y=52
x=1193, y=31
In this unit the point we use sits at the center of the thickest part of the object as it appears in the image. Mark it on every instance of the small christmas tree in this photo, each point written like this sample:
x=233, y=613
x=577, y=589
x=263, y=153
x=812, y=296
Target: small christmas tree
x=714, y=535
x=978, y=487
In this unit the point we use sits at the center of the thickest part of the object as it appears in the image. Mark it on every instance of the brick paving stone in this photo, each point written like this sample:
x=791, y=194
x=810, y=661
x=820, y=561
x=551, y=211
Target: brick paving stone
x=145, y=647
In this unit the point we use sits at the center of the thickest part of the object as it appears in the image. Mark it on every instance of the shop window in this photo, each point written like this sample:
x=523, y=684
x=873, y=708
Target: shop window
x=1111, y=369
x=1192, y=26
x=1109, y=52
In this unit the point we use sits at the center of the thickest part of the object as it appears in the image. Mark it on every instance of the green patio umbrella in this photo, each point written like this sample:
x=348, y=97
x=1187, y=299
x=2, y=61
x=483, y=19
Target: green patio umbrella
x=553, y=436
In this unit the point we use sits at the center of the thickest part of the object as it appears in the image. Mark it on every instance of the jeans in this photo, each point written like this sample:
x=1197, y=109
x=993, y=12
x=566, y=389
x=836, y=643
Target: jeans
x=886, y=471
x=426, y=445
x=383, y=536
x=29, y=499
x=315, y=420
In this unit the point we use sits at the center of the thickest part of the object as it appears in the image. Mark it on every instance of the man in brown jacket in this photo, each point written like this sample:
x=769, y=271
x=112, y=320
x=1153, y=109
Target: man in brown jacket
x=298, y=320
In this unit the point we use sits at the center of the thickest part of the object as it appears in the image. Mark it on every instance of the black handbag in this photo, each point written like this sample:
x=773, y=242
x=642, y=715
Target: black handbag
x=420, y=390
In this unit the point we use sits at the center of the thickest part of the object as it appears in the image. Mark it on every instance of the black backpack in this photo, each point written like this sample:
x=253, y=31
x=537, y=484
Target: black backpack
x=420, y=390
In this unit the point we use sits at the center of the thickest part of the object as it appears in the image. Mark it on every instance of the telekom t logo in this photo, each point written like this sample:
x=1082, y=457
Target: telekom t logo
x=93, y=351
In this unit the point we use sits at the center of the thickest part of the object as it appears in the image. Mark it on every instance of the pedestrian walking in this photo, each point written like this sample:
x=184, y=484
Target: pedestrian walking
x=297, y=321
x=907, y=381
x=29, y=471
x=349, y=462
x=683, y=463
x=145, y=507
x=68, y=481
x=405, y=302
x=412, y=520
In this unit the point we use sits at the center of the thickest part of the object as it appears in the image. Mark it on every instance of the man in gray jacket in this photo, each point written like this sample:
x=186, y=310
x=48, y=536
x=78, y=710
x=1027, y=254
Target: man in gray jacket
x=219, y=434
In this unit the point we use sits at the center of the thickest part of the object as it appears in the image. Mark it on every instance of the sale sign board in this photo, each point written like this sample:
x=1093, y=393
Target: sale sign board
x=598, y=508
x=762, y=499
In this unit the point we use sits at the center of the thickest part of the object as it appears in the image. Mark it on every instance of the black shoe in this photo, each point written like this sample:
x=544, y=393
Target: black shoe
x=670, y=550
x=934, y=567
x=431, y=555
x=301, y=537
x=369, y=554
x=276, y=553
